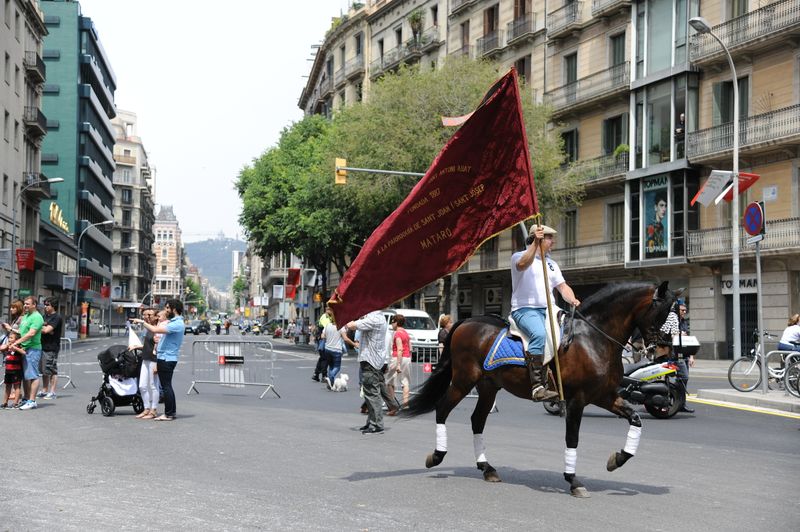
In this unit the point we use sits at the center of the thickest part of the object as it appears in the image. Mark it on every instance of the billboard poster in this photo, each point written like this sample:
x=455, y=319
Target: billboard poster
x=656, y=218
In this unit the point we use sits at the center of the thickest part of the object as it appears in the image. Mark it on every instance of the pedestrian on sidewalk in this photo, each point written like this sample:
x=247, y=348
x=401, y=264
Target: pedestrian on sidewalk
x=52, y=331
x=30, y=340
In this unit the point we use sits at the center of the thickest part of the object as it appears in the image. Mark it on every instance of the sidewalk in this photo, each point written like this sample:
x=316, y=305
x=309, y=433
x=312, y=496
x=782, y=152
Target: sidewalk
x=774, y=399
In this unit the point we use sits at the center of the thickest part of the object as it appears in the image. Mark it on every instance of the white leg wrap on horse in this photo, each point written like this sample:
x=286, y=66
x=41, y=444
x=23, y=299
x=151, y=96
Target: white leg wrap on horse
x=441, y=437
x=480, y=448
x=570, y=459
x=632, y=443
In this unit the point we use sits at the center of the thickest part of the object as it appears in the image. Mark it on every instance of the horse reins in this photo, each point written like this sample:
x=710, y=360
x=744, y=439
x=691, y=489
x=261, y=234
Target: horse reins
x=598, y=329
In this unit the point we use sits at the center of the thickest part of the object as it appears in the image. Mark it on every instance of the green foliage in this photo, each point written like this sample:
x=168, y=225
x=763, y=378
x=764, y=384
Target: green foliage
x=194, y=296
x=415, y=20
x=290, y=202
x=239, y=286
x=622, y=148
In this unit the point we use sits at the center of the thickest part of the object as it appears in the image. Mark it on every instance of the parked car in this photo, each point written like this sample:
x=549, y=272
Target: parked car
x=197, y=327
x=422, y=332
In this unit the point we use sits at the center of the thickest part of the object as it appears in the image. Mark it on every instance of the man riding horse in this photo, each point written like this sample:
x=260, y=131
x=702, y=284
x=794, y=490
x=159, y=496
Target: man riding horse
x=529, y=302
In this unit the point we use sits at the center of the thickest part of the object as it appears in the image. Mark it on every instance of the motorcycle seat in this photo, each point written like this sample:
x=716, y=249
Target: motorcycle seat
x=627, y=369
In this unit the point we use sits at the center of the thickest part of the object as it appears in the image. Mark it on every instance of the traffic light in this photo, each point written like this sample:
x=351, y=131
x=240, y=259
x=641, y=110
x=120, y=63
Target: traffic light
x=340, y=178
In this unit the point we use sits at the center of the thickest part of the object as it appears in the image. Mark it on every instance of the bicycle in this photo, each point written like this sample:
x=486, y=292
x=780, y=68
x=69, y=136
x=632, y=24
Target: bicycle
x=791, y=379
x=744, y=374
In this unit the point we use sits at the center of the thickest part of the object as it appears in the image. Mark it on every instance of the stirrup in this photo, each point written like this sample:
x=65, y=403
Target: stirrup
x=540, y=393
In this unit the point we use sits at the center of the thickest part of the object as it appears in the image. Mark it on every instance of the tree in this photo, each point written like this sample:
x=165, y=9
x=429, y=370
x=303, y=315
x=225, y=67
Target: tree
x=194, y=296
x=239, y=286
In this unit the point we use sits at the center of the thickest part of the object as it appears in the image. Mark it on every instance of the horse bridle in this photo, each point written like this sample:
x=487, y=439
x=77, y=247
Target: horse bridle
x=651, y=330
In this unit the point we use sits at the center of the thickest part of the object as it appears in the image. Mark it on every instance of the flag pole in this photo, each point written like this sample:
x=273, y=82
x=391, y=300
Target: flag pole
x=550, y=321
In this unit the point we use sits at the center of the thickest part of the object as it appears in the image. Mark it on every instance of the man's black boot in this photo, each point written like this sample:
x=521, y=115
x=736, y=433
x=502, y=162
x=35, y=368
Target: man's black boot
x=538, y=374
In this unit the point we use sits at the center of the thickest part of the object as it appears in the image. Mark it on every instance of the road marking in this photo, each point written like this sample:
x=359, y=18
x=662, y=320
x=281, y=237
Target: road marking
x=745, y=408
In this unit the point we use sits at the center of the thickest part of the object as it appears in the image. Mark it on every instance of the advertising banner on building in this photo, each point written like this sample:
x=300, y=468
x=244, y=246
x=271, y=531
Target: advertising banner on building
x=25, y=258
x=655, y=192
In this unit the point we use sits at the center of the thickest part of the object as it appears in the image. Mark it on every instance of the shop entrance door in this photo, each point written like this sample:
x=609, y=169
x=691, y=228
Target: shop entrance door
x=749, y=314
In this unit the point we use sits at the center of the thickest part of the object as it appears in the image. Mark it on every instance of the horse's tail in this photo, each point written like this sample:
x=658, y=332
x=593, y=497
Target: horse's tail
x=428, y=394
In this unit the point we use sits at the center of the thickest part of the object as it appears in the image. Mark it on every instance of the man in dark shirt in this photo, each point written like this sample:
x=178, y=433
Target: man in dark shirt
x=51, y=344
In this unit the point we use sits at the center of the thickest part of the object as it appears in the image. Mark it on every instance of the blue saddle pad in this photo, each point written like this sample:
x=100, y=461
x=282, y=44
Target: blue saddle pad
x=504, y=351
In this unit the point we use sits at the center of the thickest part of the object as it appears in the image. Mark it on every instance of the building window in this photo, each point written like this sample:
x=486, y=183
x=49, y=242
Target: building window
x=615, y=133
x=571, y=76
x=126, y=196
x=570, y=225
x=570, y=139
x=722, y=110
x=7, y=70
x=465, y=34
x=435, y=16
x=359, y=92
x=357, y=40
x=490, y=19
x=5, y=189
x=17, y=79
x=616, y=221
x=125, y=238
x=6, y=126
x=523, y=66
x=16, y=134
x=737, y=8
x=8, y=13
x=398, y=36
x=163, y=268
x=17, y=26
x=163, y=253
x=617, y=49
x=380, y=48
x=126, y=219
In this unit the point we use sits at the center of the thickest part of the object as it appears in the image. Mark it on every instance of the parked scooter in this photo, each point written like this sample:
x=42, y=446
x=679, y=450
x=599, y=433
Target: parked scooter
x=652, y=384
x=256, y=329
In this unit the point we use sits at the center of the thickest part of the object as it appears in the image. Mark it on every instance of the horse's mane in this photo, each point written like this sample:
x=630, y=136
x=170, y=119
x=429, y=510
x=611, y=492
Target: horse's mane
x=600, y=301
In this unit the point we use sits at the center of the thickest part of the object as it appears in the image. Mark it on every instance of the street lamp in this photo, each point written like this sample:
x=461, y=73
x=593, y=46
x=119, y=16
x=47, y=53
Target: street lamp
x=78, y=264
x=702, y=27
x=14, y=228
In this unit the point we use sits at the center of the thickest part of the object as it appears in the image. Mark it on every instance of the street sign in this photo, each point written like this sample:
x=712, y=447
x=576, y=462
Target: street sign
x=753, y=239
x=753, y=219
x=713, y=187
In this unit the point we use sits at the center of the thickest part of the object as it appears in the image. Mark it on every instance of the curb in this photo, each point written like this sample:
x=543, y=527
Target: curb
x=775, y=400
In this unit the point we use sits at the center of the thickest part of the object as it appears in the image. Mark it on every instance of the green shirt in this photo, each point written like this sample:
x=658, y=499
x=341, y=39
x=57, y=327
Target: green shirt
x=30, y=321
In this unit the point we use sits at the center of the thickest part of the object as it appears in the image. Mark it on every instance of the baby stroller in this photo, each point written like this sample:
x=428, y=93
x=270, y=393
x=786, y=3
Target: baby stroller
x=120, y=385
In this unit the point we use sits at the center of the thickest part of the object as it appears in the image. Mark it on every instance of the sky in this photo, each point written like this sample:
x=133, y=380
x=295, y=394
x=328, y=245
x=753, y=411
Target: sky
x=212, y=85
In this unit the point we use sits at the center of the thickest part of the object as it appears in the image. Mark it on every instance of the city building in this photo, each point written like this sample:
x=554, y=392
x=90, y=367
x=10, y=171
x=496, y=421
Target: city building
x=24, y=124
x=78, y=100
x=644, y=106
x=134, y=213
x=170, y=262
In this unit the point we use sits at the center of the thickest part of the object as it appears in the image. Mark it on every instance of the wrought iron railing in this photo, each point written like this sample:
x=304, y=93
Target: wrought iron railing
x=742, y=30
x=564, y=17
x=354, y=66
x=338, y=76
x=591, y=256
x=490, y=42
x=600, y=7
x=522, y=26
x=33, y=116
x=607, y=81
x=766, y=127
x=35, y=64
x=325, y=87
x=780, y=234
x=458, y=5
x=603, y=167
x=464, y=51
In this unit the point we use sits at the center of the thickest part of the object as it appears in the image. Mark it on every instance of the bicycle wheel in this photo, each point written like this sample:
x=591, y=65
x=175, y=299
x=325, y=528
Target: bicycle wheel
x=745, y=374
x=791, y=379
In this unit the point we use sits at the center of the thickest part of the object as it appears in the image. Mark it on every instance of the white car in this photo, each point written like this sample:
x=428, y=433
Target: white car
x=422, y=332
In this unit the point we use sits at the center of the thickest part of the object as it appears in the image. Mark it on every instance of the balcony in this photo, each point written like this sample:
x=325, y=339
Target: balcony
x=354, y=68
x=590, y=90
x=604, y=8
x=490, y=44
x=771, y=25
x=603, y=167
x=125, y=159
x=35, y=67
x=757, y=134
x=339, y=78
x=591, y=256
x=564, y=20
x=387, y=61
x=325, y=88
x=38, y=187
x=35, y=121
x=430, y=39
x=781, y=235
x=521, y=29
x=458, y=6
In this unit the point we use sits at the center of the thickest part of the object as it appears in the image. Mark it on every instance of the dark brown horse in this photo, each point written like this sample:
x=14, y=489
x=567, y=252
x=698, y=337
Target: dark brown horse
x=591, y=370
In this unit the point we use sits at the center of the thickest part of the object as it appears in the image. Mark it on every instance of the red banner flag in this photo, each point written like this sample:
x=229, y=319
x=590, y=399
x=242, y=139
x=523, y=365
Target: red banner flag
x=105, y=291
x=293, y=276
x=84, y=282
x=479, y=185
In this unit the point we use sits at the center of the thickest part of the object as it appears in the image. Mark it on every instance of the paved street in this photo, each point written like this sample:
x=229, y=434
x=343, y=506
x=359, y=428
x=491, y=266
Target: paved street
x=232, y=461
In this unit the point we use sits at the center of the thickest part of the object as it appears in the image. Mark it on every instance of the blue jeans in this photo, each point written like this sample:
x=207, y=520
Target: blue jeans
x=787, y=347
x=531, y=322
x=334, y=363
x=165, y=369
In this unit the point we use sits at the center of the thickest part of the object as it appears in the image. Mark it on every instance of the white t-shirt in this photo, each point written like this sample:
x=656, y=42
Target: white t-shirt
x=791, y=334
x=527, y=286
x=333, y=338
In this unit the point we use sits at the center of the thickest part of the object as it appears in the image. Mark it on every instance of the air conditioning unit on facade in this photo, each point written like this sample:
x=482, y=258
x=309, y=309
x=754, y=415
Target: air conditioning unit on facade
x=492, y=296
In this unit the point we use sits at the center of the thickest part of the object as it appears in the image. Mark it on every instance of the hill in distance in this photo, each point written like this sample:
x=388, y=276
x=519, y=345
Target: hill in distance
x=213, y=257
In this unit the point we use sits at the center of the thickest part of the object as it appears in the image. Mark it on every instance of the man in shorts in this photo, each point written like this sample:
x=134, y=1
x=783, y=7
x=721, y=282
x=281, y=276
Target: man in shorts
x=51, y=345
x=30, y=340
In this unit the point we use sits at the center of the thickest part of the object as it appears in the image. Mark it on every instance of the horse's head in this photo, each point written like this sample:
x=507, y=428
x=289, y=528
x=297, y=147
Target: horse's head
x=650, y=320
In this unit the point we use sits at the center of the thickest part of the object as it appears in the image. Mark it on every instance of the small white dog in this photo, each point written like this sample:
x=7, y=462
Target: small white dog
x=340, y=383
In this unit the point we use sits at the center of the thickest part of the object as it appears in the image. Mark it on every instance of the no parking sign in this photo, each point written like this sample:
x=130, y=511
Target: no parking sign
x=753, y=219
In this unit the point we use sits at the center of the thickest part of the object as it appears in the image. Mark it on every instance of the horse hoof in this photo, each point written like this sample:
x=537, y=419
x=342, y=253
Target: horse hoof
x=580, y=492
x=491, y=476
x=434, y=459
x=611, y=465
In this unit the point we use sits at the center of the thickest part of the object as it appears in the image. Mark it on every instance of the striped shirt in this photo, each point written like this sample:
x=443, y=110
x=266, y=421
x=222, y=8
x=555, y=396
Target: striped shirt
x=373, y=337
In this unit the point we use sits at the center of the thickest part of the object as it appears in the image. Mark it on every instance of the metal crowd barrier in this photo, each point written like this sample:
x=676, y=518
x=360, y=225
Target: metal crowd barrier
x=423, y=362
x=235, y=364
x=65, y=354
